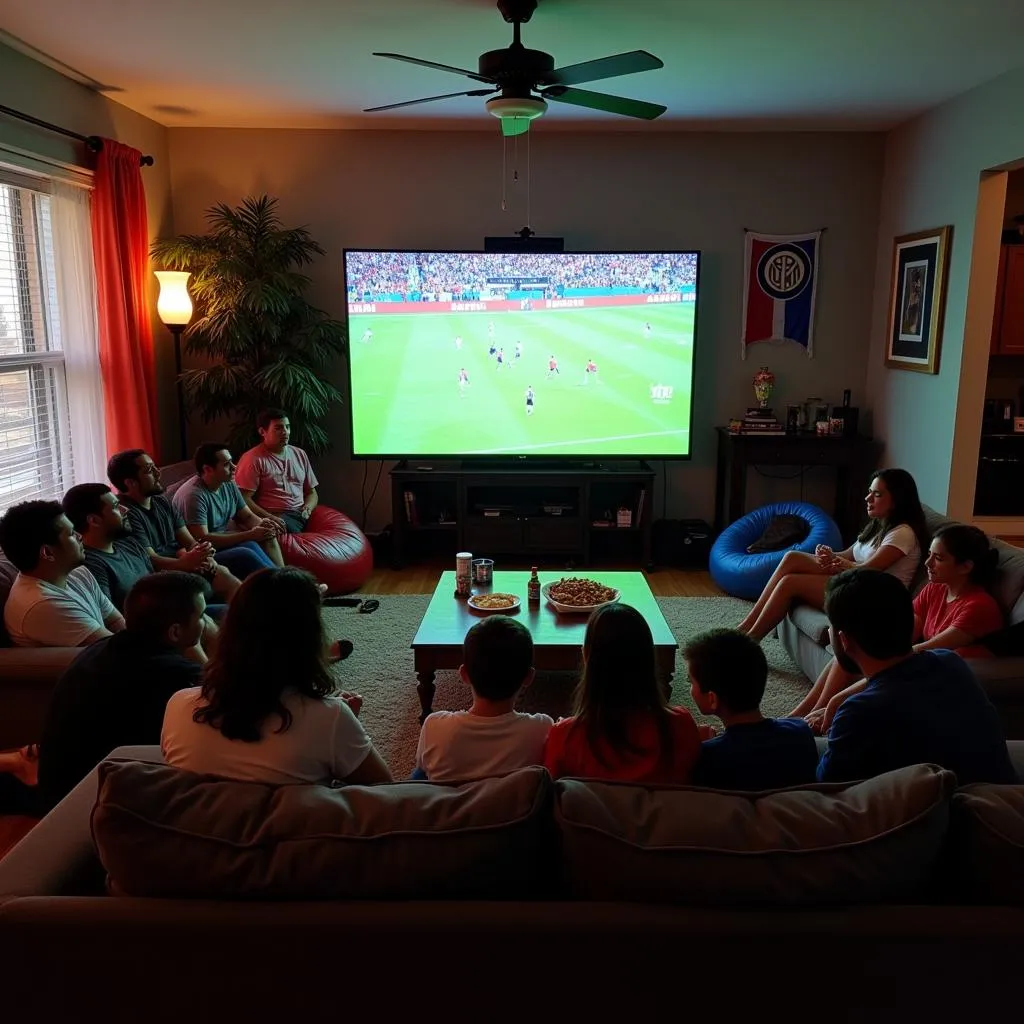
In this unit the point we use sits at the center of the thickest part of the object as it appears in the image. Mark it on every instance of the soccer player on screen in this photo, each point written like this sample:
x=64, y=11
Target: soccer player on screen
x=591, y=368
x=519, y=349
x=529, y=401
x=553, y=367
x=500, y=358
x=367, y=336
x=458, y=342
x=463, y=382
x=647, y=330
x=492, y=349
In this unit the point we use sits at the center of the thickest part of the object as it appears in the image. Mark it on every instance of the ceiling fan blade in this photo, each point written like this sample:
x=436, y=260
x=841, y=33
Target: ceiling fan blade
x=602, y=101
x=430, y=99
x=605, y=67
x=438, y=67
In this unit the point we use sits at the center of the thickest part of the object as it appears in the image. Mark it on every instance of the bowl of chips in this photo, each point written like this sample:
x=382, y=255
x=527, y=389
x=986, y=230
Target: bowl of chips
x=488, y=603
x=576, y=595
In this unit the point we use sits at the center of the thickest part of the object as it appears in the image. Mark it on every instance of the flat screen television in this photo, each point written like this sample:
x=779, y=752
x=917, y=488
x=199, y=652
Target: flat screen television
x=494, y=356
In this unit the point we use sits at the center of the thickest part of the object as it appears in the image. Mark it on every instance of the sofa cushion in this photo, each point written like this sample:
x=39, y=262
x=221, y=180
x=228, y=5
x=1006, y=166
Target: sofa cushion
x=843, y=843
x=160, y=831
x=988, y=840
x=811, y=621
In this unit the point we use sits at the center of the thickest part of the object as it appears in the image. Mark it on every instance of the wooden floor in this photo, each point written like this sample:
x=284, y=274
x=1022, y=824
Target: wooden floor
x=422, y=579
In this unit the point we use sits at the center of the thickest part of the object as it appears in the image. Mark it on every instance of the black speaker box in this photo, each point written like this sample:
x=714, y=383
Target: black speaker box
x=681, y=542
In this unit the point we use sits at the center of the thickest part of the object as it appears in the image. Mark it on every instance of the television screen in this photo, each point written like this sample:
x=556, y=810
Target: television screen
x=471, y=354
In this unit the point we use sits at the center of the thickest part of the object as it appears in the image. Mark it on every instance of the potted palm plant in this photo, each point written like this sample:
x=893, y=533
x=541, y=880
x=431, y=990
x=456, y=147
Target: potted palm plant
x=258, y=340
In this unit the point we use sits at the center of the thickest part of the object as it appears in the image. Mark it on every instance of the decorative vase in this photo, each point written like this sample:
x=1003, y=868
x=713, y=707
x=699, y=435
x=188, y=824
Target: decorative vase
x=764, y=384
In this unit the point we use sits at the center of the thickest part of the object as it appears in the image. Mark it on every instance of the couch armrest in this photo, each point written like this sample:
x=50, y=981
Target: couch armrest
x=27, y=678
x=57, y=857
x=24, y=664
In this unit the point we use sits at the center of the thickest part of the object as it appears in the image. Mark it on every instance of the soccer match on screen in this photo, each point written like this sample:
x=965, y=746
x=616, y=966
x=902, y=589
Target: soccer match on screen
x=534, y=354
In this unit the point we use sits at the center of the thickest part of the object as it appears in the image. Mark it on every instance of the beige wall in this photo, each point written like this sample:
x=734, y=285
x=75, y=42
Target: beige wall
x=443, y=190
x=933, y=176
x=35, y=89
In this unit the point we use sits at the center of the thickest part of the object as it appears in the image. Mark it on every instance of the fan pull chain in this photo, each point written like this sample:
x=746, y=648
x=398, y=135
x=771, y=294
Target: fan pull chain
x=515, y=160
x=504, y=153
x=529, y=178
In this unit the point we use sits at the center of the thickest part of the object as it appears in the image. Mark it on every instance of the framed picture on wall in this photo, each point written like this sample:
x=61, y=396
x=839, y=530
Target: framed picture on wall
x=917, y=300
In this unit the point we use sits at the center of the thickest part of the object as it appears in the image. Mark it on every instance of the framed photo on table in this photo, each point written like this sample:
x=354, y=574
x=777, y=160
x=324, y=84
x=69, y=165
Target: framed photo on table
x=917, y=300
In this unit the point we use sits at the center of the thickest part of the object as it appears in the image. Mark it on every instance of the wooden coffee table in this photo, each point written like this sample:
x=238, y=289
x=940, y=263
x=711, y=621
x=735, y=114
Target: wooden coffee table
x=557, y=639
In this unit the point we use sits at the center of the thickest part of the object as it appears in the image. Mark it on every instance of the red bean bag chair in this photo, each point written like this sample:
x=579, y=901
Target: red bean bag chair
x=333, y=549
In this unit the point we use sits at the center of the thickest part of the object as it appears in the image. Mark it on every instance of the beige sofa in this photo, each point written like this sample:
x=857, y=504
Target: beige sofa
x=804, y=633
x=900, y=898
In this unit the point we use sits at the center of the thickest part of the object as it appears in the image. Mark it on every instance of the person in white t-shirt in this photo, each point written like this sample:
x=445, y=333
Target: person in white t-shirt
x=268, y=710
x=55, y=601
x=893, y=541
x=491, y=738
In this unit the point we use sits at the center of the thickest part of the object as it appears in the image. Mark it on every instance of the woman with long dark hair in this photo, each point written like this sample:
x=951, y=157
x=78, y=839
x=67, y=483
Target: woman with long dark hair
x=267, y=710
x=622, y=727
x=892, y=541
x=952, y=610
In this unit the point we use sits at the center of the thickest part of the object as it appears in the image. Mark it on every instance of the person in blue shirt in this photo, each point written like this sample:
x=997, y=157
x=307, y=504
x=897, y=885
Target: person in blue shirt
x=917, y=708
x=728, y=674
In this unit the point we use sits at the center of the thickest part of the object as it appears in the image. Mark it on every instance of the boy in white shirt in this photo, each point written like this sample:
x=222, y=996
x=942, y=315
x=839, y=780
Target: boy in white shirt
x=491, y=738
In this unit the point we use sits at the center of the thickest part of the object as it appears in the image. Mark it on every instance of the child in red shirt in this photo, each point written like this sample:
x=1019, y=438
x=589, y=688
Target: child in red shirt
x=622, y=727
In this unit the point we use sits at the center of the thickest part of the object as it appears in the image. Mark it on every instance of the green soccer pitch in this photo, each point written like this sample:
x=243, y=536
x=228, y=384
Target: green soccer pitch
x=406, y=398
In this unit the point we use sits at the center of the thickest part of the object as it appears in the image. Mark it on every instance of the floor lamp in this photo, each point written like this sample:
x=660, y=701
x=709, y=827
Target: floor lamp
x=175, y=308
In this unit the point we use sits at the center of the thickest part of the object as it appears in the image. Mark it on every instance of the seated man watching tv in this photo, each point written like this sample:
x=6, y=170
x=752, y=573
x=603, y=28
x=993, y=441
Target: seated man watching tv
x=55, y=601
x=214, y=511
x=276, y=478
x=114, y=694
x=917, y=708
x=115, y=558
x=159, y=526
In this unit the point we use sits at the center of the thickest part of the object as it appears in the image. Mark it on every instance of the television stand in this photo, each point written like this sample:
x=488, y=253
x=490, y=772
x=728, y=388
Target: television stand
x=565, y=512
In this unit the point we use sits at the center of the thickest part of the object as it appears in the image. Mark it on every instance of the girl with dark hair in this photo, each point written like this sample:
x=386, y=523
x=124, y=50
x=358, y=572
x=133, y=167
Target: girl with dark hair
x=267, y=710
x=891, y=542
x=951, y=611
x=622, y=727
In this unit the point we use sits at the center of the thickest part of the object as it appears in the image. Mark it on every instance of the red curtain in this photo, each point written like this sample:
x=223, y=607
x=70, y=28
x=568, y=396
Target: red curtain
x=120, y=241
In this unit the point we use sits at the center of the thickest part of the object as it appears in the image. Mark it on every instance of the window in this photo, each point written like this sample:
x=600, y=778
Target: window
x=35, y=434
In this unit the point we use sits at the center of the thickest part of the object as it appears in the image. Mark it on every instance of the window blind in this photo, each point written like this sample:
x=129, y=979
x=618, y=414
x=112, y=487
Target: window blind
x=35, y=435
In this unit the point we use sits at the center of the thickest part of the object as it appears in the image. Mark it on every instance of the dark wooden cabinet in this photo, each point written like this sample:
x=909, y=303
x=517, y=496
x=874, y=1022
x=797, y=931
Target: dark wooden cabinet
x=852, y=457
x=523, y=513
x=1008, y=321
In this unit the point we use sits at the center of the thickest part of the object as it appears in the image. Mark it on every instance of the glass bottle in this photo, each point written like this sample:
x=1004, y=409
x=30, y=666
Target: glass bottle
x=533, y=587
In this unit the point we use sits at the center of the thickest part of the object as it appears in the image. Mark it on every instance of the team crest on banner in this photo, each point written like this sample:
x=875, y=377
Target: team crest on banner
x=779, y=288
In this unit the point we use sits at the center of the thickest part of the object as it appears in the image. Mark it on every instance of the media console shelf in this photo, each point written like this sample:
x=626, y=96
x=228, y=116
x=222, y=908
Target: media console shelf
x=524, y=512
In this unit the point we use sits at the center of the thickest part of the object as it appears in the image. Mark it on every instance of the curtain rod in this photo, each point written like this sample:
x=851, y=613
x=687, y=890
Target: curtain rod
x=93, y=142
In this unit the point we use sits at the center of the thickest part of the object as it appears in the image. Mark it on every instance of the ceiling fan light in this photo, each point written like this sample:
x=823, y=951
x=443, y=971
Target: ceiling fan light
x=521, y=111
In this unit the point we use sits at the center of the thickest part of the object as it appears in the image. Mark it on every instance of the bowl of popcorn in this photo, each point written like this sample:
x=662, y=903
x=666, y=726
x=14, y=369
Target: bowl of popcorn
x=575, y=595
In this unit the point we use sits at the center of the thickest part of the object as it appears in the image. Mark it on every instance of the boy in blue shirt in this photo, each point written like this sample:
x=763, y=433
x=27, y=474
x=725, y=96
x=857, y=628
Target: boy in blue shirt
x=917, y=708
x=728, y=674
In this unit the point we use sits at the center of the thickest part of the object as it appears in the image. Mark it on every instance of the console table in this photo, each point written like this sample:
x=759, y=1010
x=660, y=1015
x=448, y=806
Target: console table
x=533, y=513
x=853, y=458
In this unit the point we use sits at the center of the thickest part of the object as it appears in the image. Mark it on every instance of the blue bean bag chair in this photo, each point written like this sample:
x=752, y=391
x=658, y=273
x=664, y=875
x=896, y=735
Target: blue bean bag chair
x=745, y=575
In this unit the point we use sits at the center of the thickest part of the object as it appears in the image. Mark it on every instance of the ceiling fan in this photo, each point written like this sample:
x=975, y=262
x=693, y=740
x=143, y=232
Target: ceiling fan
x=518, y=73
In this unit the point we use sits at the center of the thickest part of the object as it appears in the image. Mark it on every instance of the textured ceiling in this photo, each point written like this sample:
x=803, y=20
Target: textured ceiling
x=815, y=64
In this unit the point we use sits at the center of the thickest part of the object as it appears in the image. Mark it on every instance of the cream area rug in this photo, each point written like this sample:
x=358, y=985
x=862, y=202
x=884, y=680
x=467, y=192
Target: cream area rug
x=381, y=669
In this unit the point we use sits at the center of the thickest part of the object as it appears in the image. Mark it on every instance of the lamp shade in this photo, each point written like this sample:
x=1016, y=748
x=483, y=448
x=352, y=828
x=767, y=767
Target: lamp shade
x=174, y=303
